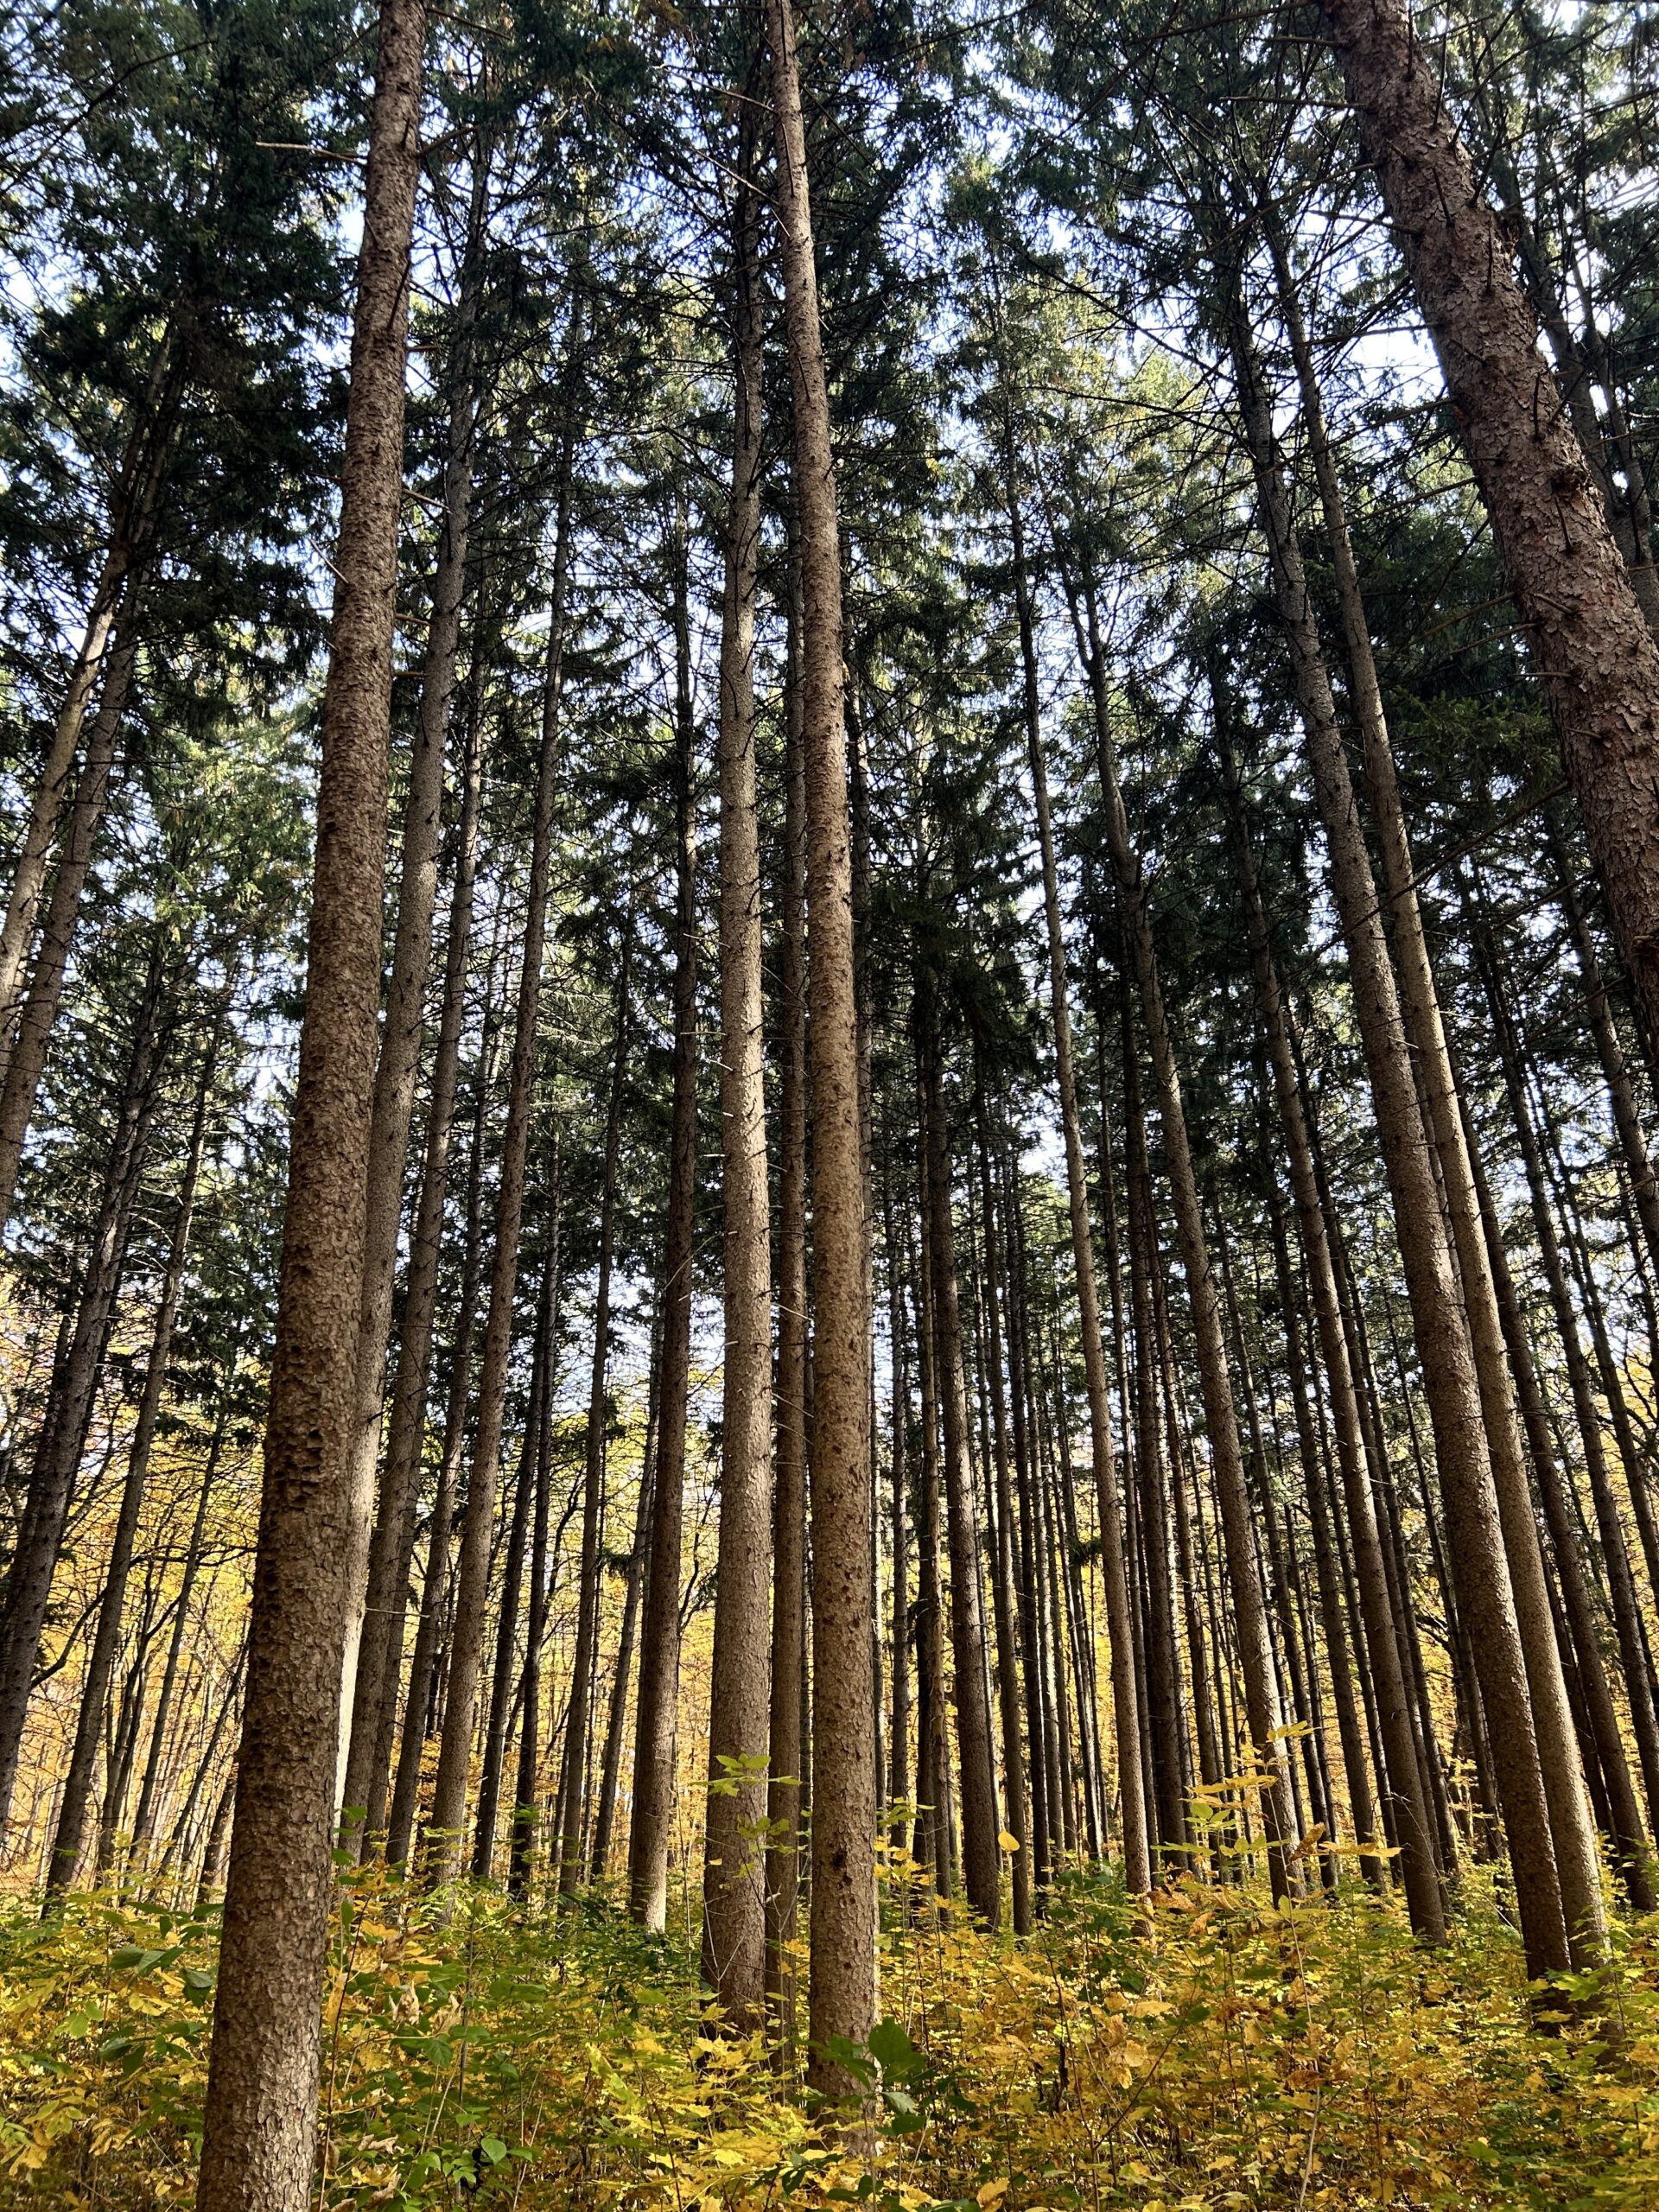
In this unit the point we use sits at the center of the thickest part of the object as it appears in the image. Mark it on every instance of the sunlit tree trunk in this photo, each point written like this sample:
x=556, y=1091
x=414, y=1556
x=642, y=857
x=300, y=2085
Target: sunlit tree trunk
x=843, y=1979
x=1596, y=657
x=260, y=2118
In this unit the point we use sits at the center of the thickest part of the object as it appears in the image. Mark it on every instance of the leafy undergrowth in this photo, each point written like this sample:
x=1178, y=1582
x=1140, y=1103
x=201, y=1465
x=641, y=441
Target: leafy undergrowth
x=1227, y=2057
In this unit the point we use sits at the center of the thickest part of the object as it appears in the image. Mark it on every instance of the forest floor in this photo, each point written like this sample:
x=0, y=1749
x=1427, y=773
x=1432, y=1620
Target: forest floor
x=1228, y=2056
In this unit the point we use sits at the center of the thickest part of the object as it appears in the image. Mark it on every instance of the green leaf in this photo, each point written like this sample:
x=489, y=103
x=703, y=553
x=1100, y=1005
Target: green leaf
x=894, y=2051
x=494, y=2149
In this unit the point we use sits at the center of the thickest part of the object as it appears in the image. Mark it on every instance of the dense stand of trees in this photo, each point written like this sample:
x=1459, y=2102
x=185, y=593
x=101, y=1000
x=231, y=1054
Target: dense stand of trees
x=887, y=1127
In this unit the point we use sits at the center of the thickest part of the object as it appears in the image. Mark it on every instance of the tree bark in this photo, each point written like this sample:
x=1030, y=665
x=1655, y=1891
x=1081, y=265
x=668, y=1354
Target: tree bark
x=402, y=1028
x=734, y=1917
x=574, y=1764
x=787, y=1735
x=842, y=1995
x=1597, y=660
x=982, y=1865
x=260, y=2121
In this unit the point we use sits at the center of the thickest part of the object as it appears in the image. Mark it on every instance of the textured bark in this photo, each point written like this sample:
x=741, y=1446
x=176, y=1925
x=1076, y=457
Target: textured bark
x=787, y=1732
x=380, y=1653
x=1597, y=660
x=472, y=1572
x=931, y=1845
x=260, y=2121
x=982, y=1865
x=62, y=1441
x=1485, y=1598
x=734, y=1919
x=842, y=1995
x=402, y=1029
x=100, y=1666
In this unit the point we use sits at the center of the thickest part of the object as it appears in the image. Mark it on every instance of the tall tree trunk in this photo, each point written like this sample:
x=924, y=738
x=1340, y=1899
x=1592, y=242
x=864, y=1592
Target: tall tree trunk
x=1596, y=657
x=654, y=1743
x=1163, y=1709
x=542, y=1384
x=473, y=1573
x=1137, y=1861
x=787, y=1732
x=1577, y=1863
x=380, y=1653
x=429, y=1625
x=734, y=1918
x=1486, y=1598
x=402, y=1028
x=841, y=1993
x=1003, y=1579
x=610, y=1771
x=526, y=1815
x=1625, y=1606
x=260, y=2122
x=982, y=1866
x=100, y=1666
x=573, y=1768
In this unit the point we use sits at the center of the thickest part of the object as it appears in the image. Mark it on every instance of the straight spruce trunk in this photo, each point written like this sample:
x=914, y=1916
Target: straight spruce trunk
x=787, y=1746
x=982, y=1863
x=260, y=2118
x=842, y=1992
x=733, y=1922
x=403, y=1027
